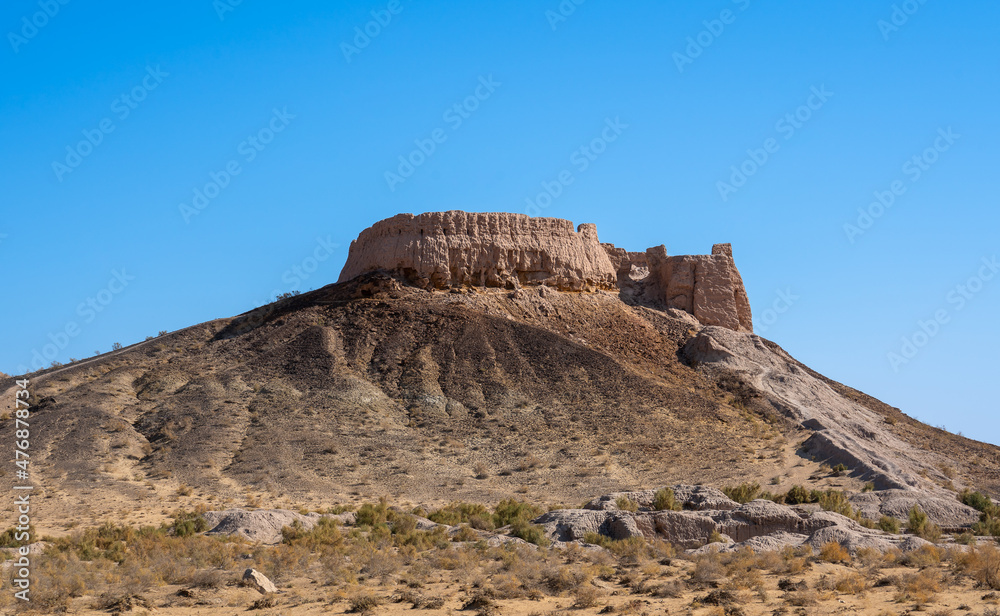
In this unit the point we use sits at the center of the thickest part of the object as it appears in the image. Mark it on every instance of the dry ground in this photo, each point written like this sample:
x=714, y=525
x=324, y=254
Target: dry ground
x=390, y=567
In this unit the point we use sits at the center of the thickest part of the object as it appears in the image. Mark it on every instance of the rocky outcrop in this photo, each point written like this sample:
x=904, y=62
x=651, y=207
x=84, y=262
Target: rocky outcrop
x=262, y=525
x=759, y=524
x=447, y=250
x=441, y=250
x=697, y=498
x=942, y=510
x=707, y=286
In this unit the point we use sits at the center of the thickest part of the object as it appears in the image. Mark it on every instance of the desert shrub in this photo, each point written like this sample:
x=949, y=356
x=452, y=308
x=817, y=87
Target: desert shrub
x=326, y=532
x=187, y=523
x=664, y=500
x=373, y=515
x=263, y=603
x=872, y=559
x=987, y=526
x=989, y=520
x=921, y=526
x=986, y=568
x=965, y=538
x=833, y=552
x=836, y=501
x=789, y=561
x=465, y=533
x=797, y=495
x=918, y=587
x=977, y=500
x=839, y=470
x=627, y=504
x=420, y=540
x=567, y=577
x=510, y=511
x=925, y=556
x=475, y=515
x=8, y=539
x=744, y=575
x=672, y=589
x=60, y=577
x=743, y=493
x=716, y=537
x=381, y=564
x=208, y=578
x=364, y=604
x=850, y=583
x=532, y=533
x=888, y=524
x=802, y=598
x=708, y=567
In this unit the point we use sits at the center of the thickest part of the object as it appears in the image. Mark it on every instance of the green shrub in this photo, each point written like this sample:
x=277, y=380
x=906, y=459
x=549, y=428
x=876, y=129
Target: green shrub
x=510, y=511
x=743, y=493
x=921, y=526
x=665, y=501
x=531, y=533
x=187, y=523
x=627, y=504
x=889, y=524
x=987, y=526
x=977, y=500
x=326, y=532
x=477, y=516
x=836, y=501
x=8, y=537
x=375, y=515
x=797, y=495
x=619, y=547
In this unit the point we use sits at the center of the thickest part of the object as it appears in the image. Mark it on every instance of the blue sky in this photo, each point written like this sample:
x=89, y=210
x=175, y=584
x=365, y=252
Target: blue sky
x=172, y=163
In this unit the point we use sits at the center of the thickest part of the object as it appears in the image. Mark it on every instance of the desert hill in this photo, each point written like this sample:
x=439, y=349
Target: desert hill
x=477, y=357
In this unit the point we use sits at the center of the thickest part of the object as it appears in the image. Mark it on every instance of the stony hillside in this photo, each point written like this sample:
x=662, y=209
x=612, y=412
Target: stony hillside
x=405, y=383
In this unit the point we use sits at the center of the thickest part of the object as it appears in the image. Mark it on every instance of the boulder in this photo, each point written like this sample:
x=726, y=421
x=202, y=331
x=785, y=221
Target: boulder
x=256, y=579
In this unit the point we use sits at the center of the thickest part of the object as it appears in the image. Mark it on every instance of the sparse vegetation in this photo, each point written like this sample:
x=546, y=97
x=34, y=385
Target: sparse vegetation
x=384, y=552
x=921, y=526
x=664, y=500
x=627, y=504
x=888, y=524
x=743, y=493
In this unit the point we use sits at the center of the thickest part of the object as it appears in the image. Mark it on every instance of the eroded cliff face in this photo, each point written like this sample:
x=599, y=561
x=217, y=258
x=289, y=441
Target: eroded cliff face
x=445, y=250
x=706, y=286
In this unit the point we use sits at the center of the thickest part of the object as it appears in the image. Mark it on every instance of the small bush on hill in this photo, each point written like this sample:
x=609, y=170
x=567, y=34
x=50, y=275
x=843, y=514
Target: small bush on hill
x=921, y=526
x=665, y=501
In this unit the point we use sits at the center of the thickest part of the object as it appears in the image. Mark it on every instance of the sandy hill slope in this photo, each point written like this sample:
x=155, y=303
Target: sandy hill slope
x=378, y=386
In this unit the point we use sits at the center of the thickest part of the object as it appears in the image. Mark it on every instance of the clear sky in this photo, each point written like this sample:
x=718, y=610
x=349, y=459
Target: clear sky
x=165, y=164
